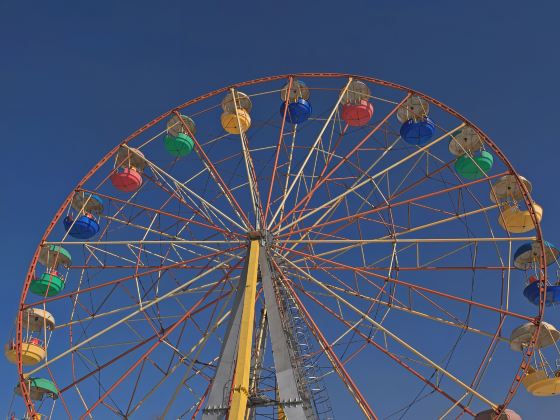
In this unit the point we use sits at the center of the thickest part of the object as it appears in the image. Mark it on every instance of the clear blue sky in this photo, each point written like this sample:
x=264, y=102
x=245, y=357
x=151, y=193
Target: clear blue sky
x=75, y=77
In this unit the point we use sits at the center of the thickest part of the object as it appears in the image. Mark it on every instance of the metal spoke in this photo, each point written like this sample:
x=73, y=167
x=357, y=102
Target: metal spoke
x=155, y=310
x=372, y=177
x=395, y=337
x=311, y=150
x=129, y=316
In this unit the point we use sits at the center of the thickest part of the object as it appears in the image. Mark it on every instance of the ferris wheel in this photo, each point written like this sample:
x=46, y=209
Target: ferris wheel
x=247, y=254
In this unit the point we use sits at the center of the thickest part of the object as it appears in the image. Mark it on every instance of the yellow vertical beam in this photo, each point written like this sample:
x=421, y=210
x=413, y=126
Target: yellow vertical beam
x=281, y=414
x=243, y=364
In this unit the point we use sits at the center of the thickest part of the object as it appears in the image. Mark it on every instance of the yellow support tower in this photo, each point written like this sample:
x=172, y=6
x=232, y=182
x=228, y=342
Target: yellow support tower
x=243, y=364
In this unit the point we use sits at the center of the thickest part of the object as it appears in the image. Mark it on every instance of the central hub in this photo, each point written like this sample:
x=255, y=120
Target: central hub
x=255, y=234
x=263, y=235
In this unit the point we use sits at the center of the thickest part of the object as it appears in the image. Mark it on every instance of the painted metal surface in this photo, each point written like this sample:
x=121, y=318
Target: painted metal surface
x=217, y=401
x=524, y=193
x=474, y=166
x=178, y=146
x=236, y=123
x=290, y=398
x=240, y=391
x=296, y=112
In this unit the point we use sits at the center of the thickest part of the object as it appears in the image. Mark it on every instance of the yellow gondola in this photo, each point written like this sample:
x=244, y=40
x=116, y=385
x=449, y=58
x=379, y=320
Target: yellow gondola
x=515, y=220
x=33, y=351
x=34, y=322
x=236, y=123
x=538, y=383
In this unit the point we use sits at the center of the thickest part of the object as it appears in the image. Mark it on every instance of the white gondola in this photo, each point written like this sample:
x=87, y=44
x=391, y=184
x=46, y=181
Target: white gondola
x=414, y=108
x=506, y=188
x=129, y=157
x=242, y=101
x=298, y=90
x=176, y=125
x=356, y=92
x=521, y=336
x=464, y=141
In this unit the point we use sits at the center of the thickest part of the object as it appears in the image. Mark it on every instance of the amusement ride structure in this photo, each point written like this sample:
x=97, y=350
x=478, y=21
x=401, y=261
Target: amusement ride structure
x=247, y=254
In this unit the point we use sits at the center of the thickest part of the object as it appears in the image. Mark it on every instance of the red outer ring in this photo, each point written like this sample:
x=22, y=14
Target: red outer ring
x=526, y=198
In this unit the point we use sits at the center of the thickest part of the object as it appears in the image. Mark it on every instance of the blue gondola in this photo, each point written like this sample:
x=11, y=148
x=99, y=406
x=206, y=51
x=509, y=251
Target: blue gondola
x=418, y=132
x=84, y=227
x=298, y=111
x=531, y=292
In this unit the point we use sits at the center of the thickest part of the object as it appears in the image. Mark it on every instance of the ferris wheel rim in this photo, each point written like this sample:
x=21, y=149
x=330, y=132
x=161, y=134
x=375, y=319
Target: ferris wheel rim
x=526, y=194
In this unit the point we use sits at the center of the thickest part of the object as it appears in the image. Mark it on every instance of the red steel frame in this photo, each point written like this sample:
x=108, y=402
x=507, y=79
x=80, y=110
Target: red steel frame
x=378, y=346
x=337, y=364
x=526, y=198
x=154, y=346
x=323, y=178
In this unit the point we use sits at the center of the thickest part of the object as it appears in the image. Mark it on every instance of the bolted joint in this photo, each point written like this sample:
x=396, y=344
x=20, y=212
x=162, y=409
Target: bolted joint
x=215, y=409
x=290, y=402
x=242, y=390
